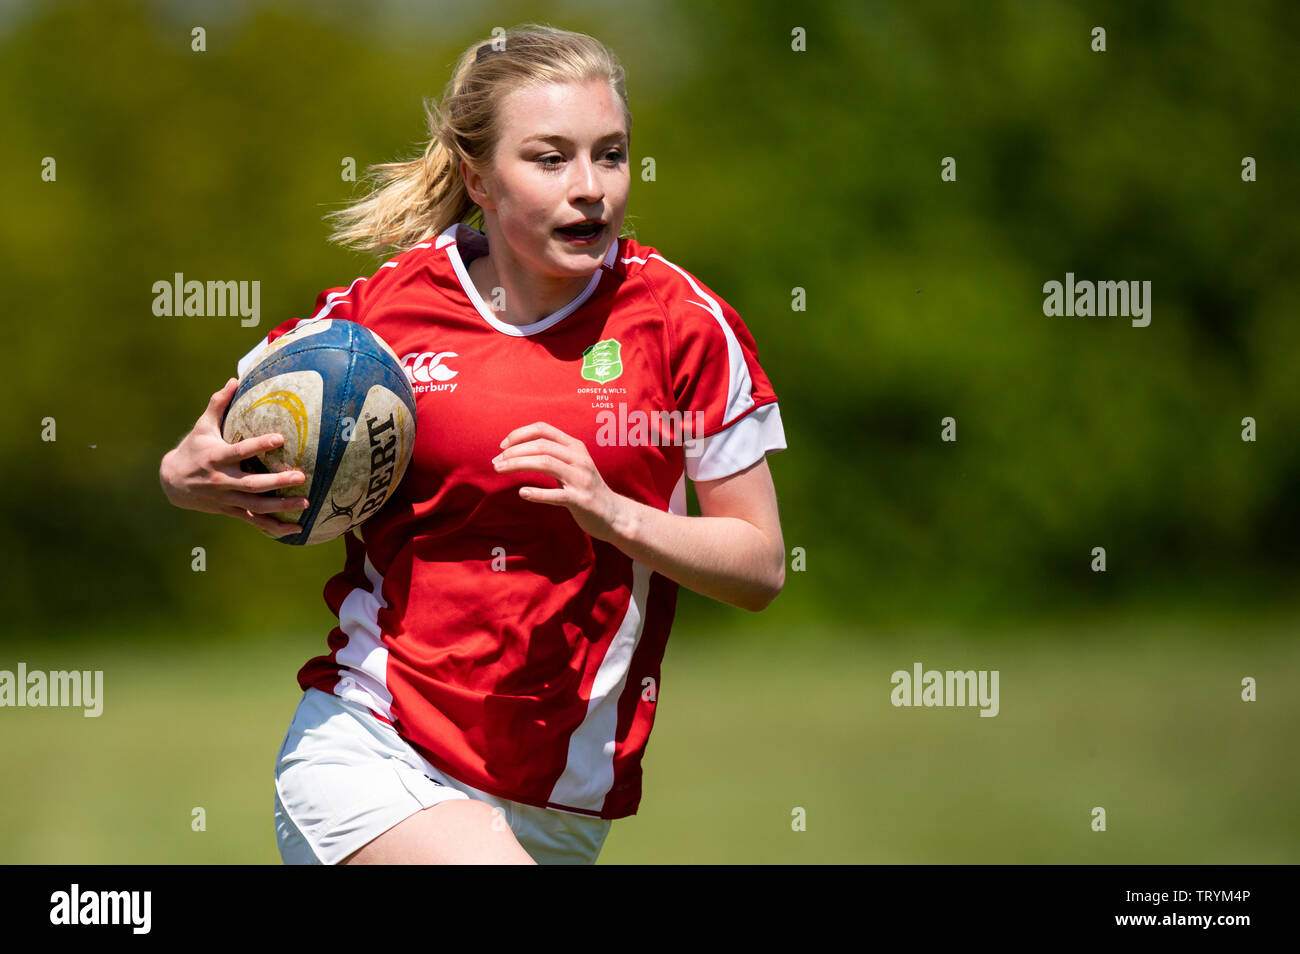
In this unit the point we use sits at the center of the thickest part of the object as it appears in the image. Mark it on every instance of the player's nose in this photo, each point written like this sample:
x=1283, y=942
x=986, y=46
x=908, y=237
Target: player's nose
x=585, y=183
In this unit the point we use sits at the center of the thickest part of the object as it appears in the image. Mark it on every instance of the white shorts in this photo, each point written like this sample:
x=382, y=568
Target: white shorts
x=344, y=777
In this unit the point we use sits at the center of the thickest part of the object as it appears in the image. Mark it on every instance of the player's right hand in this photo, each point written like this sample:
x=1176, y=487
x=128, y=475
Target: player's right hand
x=202, y=473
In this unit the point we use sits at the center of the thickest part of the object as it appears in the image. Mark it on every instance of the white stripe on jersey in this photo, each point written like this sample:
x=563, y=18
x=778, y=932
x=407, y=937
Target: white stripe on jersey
x=365, y=678
x=740, y=388
x=677, y=502
x=334, y=299
x=589, y=769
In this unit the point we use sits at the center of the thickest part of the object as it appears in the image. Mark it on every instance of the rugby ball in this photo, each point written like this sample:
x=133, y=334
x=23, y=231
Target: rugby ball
x=338, y=394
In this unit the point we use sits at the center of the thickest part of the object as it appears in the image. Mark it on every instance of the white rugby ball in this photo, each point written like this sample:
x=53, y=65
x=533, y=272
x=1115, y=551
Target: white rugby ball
x=338, y=394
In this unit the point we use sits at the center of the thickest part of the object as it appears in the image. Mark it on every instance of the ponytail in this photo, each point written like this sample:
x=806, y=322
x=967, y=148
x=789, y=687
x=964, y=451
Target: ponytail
x=410, y=201
x=415, y=199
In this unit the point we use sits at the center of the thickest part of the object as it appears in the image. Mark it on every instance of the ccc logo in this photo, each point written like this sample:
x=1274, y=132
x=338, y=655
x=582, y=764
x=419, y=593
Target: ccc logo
x=428, y=366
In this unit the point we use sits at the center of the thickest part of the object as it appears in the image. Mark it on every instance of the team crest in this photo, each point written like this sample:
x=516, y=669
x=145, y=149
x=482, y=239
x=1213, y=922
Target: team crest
x=602, y=362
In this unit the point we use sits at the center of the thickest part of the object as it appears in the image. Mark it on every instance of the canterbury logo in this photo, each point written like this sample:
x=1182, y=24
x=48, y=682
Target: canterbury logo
x=428, y=366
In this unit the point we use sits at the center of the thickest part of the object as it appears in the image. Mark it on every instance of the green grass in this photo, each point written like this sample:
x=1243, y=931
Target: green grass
x=1142, y=719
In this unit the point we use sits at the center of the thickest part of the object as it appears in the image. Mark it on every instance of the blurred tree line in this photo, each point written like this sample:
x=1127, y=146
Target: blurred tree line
x=775, y=169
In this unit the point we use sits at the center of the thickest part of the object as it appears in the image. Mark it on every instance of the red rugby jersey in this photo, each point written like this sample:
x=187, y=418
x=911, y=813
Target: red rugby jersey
x=512, y=650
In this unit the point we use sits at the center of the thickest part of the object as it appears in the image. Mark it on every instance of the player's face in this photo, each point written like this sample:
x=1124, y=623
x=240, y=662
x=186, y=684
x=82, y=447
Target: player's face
x=562, y=158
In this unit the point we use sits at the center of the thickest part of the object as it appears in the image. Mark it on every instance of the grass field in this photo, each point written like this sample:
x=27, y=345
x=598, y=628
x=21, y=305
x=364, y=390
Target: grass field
x=1145, y=720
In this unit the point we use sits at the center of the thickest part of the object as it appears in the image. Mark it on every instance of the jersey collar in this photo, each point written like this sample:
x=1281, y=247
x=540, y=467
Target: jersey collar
x=475, y=241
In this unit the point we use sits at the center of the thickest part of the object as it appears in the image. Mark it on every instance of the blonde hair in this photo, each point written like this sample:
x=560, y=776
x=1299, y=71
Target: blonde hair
x=421, y=197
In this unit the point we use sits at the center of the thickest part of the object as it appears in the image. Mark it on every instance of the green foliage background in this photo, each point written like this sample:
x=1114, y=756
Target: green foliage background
x=775, y=169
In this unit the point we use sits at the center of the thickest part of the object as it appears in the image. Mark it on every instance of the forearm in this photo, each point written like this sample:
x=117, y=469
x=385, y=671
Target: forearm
x=736, y=559
x=725, y=558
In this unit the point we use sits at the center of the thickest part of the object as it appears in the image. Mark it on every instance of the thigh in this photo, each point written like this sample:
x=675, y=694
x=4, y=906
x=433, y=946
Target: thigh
x=464, y=831
x=343, y=778
x=549, y=837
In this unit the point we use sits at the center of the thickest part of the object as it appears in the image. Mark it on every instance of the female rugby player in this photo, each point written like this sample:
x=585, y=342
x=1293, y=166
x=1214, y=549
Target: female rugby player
x=490, y=686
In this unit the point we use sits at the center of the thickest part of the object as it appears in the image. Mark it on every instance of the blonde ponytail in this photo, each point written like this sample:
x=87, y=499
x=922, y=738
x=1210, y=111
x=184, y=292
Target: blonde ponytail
x=418, y=198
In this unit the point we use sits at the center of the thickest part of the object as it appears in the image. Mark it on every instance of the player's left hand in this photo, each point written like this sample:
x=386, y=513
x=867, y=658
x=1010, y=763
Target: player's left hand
x=546, y=449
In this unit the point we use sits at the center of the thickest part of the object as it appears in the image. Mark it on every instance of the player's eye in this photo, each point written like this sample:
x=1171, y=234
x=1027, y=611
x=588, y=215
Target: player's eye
x=552, y=161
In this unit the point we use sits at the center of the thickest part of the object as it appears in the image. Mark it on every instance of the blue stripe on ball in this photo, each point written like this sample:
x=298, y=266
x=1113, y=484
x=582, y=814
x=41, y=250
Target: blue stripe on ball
x=350, y=362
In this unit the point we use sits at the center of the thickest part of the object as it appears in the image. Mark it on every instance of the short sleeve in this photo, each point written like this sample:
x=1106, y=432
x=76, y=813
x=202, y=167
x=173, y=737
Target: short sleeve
x=719, y=383
x=342, y=303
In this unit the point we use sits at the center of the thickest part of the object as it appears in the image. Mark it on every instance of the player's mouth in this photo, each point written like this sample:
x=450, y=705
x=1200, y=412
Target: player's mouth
x=584, y=232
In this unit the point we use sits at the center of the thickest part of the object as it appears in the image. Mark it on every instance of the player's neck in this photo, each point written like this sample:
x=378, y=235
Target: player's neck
x=524, y=298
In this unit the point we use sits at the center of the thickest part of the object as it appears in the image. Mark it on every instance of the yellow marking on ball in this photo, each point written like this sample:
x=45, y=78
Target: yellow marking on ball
x=296, y=410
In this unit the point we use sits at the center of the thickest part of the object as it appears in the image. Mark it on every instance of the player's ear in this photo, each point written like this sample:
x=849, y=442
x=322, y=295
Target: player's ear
x=475, y=185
